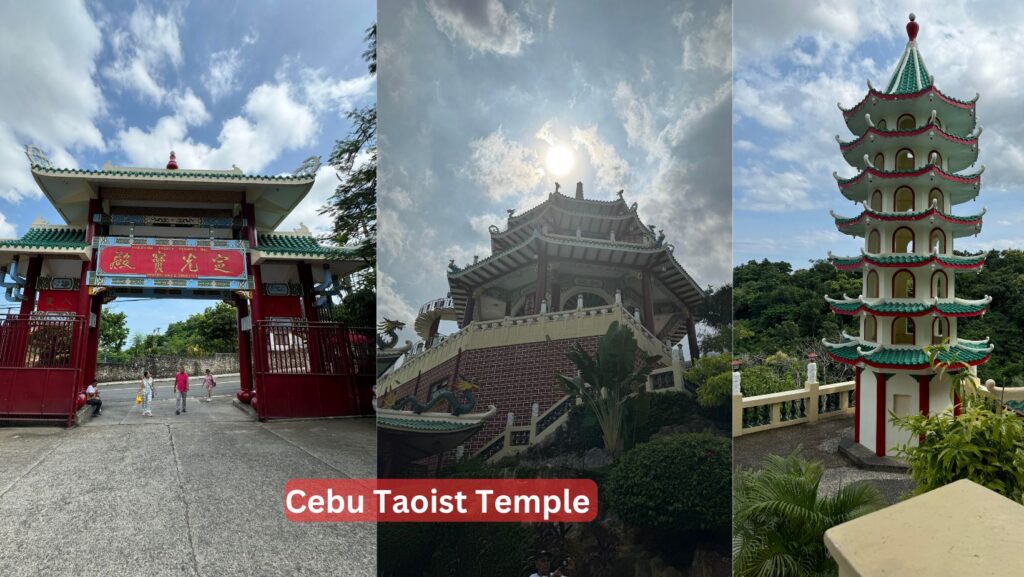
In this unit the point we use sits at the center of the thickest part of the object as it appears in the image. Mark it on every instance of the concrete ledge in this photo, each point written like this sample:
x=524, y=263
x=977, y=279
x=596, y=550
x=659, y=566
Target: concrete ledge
x=864, y=458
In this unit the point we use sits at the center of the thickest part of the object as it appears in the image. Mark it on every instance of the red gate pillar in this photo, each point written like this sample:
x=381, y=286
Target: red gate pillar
x=313, y=342
x=85, y=303
x=244, y=352
x=35, y=266
x=93, y=343
x=257, y=342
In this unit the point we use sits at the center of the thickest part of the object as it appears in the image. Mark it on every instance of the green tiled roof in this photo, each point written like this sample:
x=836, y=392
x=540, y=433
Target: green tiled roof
x=900, y=258
x=849, y=307
x=972, y=259
x=297, y=244
x=910, y=75
x=48, y=238
x=955, y=308
x=180, y=174
x=910, y=357
x=425, y=424
x=898, y=307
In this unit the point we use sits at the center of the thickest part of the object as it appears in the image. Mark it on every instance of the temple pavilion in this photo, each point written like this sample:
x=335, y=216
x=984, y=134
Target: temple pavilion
x=178, y=233
x=558, y=274
x=914, y=148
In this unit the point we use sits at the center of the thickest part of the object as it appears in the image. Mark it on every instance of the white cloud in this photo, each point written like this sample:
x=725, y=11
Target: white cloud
x=772, y=191
x=48, y=96
x=482, y=223
x=273, y=121
x=502, y=167
x=709, y=46
x=612, y=171
x=144, y=49
x=6, y=228
x=390, y=304
x=484, y=25
x=308, y=211
x=326, y=93
x=222, y=77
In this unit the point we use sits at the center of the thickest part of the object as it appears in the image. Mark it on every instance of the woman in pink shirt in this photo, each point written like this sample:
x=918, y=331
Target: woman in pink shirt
x=180, y=389
x=209, y=383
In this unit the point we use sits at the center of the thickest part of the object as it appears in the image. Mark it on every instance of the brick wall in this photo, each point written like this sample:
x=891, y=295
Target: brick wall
x=511, y=378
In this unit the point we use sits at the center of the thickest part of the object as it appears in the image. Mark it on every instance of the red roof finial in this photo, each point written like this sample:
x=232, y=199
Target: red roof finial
x=912, y=27
x=172, y=164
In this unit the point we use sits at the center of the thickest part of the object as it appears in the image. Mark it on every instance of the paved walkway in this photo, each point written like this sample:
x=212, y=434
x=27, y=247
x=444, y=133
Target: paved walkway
x=200, y=494
x=818, y=442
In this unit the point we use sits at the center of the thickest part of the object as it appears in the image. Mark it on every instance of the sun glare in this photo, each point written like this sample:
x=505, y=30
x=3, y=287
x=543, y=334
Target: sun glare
x=560, y=160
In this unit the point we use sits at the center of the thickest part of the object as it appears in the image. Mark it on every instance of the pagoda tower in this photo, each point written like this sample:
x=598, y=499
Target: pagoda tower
x=912, y=144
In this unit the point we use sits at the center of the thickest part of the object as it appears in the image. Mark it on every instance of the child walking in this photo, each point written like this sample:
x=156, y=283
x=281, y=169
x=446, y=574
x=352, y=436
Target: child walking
x=209, y=382
x=147, y=391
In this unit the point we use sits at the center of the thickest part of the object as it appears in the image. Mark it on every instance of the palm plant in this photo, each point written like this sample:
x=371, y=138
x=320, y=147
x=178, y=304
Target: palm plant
x=609, y=380
x=780, y=518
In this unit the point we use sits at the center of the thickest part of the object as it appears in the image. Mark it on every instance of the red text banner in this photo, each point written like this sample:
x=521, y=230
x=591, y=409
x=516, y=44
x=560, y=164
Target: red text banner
x=441, y=500
x=160, y=261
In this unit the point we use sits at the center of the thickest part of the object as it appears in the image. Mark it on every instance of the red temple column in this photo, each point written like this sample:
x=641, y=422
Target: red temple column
x=35, y=267
x=856, y=404
x=880, y=415
x=84, y=298
x=313, y=342
x=93, y=342
x=244, y=352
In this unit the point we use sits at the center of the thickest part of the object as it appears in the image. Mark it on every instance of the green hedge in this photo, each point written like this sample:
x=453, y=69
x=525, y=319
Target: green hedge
x=680, y=483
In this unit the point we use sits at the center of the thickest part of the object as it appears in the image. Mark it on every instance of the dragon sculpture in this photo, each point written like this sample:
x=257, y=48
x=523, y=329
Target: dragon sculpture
x=456, y=408
x=387, y=333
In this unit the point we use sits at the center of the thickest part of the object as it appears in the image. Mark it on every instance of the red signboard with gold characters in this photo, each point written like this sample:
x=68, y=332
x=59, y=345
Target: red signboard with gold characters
x=161, y=261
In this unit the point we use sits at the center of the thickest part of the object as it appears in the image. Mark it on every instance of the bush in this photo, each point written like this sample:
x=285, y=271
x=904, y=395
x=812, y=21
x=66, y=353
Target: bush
x=579, y=434
x=980, y=445
x=677, y=483
x=668, y=408
x=716, y=391
x=762, y=380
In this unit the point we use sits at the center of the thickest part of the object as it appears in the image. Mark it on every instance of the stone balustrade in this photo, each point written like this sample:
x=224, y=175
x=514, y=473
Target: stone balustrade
x=783, y=409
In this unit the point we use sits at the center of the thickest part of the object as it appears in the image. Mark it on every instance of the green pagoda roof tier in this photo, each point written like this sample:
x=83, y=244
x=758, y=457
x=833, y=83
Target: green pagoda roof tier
x=957, y=308
x=46, y=239
x=959, y=152
x=597, y=219
x=957, y=188
x=957, y=116
x=956, y=263
x=301, y=245
x=911, y=75
x=853, y=351
x=857, y=226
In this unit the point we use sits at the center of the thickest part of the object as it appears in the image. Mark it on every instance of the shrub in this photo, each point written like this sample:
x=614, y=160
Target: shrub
x=762, y=380
x=716, y=391
x=674, y=483
x=707, y=367
x=668, y=408
x=980, y=445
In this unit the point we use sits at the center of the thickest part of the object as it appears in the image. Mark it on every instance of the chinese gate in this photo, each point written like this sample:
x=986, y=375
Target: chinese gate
x=170, y=233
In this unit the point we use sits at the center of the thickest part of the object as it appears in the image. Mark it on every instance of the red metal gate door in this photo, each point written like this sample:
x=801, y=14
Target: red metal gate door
x=39, y=367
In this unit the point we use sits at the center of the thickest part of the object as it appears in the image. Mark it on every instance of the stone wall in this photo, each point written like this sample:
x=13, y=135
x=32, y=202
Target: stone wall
x=165, y=366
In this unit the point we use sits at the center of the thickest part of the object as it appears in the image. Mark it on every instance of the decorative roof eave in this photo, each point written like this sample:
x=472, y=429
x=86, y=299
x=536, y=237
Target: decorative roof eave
x=149, y=174
x=909, y=216
x=426, y=423
x=956, y=263
x=518, y=223
x=874, y=94
x=852, y=353
x=927, y=170
x=872, y=131
x=558, y=197
x=8, y=251
x=956, y=308
x=43, y=238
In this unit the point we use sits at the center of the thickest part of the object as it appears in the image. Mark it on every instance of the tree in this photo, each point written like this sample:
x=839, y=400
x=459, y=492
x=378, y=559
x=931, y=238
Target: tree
x=780, y=518
x=113, y=330
x=608, y=381
x=353, y=206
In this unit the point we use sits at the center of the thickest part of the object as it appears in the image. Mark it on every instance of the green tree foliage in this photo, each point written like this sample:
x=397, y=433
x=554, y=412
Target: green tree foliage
x=353, y=206
x=712, y=377
x=215, y=330
x=608, y=381
x=780, y=518
x=674, y=483
x=1003, y=280
x=113, y=330
x=717, y=315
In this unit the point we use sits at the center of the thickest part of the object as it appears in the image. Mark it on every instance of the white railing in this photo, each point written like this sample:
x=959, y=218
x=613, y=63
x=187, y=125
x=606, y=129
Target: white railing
x=783, y=409
x=517, y=439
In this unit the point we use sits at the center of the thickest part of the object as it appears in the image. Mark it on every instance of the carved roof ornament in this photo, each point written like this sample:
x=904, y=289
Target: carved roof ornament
x=36, y=156
x=308, y=167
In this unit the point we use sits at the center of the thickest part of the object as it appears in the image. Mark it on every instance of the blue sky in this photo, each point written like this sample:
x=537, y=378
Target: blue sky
x=473, y=95
x=262, y=85
x=795, y=61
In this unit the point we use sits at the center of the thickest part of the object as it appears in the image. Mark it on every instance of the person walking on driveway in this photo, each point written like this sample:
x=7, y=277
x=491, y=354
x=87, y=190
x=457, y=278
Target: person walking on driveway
x=147, y=391
x=180, y=390
x=209, y=383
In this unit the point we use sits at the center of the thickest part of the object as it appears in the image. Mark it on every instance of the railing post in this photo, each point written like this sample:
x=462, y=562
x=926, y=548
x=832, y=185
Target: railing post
x=737, y=404
x=534, y=414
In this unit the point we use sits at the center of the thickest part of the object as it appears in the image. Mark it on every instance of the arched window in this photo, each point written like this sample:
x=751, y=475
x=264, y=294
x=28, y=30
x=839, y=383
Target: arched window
x=935, y=158
x=939, y=284
x=903, y=240
x=874, y=242
x=880, y=161
x=881, y=124
x=870, y=328
x=937, y=241
x=872, y=282
x=903, y=200
x=903, y=285
x=876, y=201
x=905, y=159
x=903, y=331
x=906, y=122
x=936, y=199
x=940, y=330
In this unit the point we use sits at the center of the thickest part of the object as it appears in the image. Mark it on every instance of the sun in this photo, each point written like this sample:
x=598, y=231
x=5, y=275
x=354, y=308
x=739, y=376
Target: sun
x=560, y=160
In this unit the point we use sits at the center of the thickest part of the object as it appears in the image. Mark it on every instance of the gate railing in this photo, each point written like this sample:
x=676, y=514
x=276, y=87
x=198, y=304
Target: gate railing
x=315, y=348
x=39, y=341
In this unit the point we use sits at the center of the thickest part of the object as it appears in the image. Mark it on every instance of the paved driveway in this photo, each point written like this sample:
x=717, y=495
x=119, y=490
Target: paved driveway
x=200, y=494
